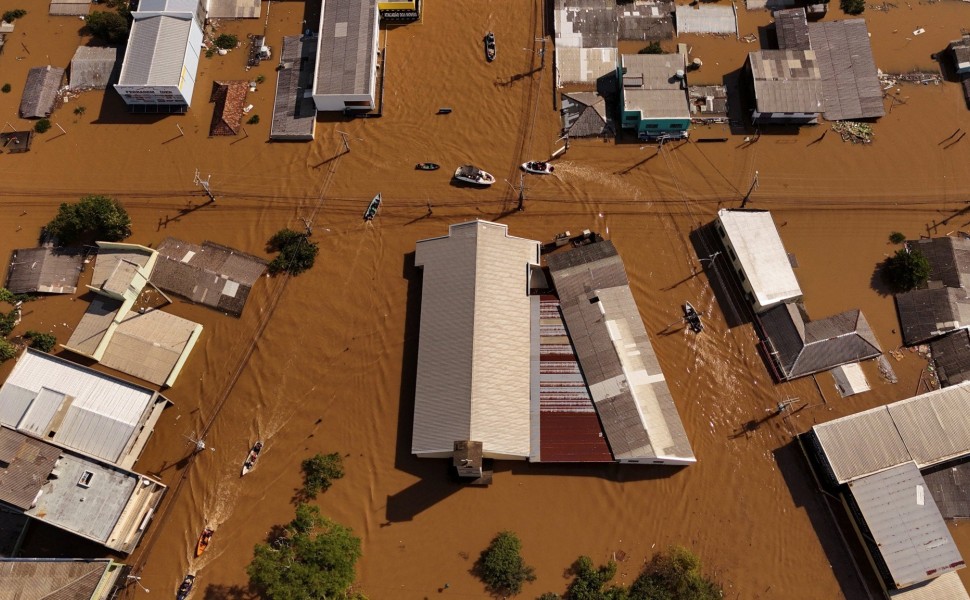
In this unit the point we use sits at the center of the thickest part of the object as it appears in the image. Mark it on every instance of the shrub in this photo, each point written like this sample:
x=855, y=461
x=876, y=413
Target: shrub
x=652, y=48
x=907, y=269
x=80, y=110
x=674, y=574
x=501, y=567
x=11, y=298
x=8, y=322
x=319, y=473
x=109, y=26
x=226, y=41
x=6, y=88
x=44, y=342
x=260, y=78
x=12, y=15
x=853, y=7
x=253, y=120
x=296, y=252
x=93, y=218
x=42, y=125
x=897, y=237
x=7, y=350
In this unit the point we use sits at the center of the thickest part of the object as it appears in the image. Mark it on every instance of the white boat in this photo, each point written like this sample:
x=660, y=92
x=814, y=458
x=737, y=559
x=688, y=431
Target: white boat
x=537, y=167
x=474, y=175
x=250, y=463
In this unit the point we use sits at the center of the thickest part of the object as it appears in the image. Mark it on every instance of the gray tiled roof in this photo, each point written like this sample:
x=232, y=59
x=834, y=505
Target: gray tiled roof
x=40, y=92
x=294, y=116
x=27, y=462
x=94, y=68
x=951, y=355
x=949, y=259
x=926, y=314
x=651, y=86
x=345, y=59
x=786, y=81
x=57, y=579
x=791, y=27
x=44, y=270
x=850, y=84
x=156, y=51
x=584, y=114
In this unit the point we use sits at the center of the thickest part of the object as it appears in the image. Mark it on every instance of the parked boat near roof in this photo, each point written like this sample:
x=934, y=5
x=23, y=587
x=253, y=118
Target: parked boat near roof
x=474, y=175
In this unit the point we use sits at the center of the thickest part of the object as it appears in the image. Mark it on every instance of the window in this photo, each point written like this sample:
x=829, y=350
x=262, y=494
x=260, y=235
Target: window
x=720, y=230
x=594, y=299
x=733, y=255
x=651, y=125
x=676, y=125
x=85, y=480
x=741, y=274
x=364, y=103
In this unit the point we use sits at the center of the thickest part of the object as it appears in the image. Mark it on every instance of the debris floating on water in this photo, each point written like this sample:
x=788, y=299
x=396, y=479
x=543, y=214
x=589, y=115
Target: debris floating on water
x=851, y=131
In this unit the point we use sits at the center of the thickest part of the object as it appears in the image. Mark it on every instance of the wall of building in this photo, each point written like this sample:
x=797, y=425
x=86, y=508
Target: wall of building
x=785, y=118
x=337, y=102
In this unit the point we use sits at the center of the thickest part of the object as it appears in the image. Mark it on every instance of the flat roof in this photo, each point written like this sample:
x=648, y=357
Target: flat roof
x=904, y=525
x=850, y=82
x=27, y=462
x=705, y=18
x=233, y=9
x=786, y=81
x=473, y=373
x=94, y=67
x=58, y=578
x=652, y=87
x=345, y=56
x=618, y=361
x=96, y=414
x=294, y=114
x=150, y=345
x=755, y=240
x=945, y=587
x=45, y=270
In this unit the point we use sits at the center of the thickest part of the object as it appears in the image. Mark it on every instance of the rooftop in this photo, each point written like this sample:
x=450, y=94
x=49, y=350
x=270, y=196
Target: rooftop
x=229, y=98
x=786, y=81
x=294, y=114
x=87, y=411
x=584, y=114
x=58, y=578
x=949, y=259
x=25, y=464
x=949, y=484
x=156, y=50
x=117, y=265
x=951, y=355
x=233, y=9
x=850, y=83
x=473, y=373
x=44, y=270
x=929, y=313
x=619, y=364
x=704, y=18
x=907, y=533
x=755, y=240
x=586, y=39
x=651, y=86
x=345, y=56
x=94, y=68
x=945, y=587
x=40, y=92
x=791, y=27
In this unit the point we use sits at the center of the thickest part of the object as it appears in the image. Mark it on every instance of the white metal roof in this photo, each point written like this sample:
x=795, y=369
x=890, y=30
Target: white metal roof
x=755, y=239
x=473, y=375
x=156, y=50
x=905, y=524
x=100, y=415
x=945, y=587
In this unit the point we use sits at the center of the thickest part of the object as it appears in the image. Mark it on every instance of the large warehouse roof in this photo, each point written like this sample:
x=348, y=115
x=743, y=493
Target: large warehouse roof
x=755, y=239
x=473, y=376
x=345, y=56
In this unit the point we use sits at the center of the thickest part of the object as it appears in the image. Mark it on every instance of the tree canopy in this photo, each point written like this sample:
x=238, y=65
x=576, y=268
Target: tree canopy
x=907, y=269
x=501, y=567
x=93, y=218
x=319, y=471
x=108, y=26
x=313, y=558
x=296, y=252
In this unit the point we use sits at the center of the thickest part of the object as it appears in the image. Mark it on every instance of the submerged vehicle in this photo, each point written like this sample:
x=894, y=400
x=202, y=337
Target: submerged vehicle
x=537, y=167
x=250, y=463
x=489, y=46
x=474, y=175
x=426, y=166
x=372, y=208
x=693, y=318
x=204, y=541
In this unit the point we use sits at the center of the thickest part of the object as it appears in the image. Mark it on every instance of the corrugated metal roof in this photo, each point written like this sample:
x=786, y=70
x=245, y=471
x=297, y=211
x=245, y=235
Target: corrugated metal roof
x=791, y=27
x=945, y=587
x=753, y=236
x=94, y=68
x=658, y=92
x=585, y=65
x=105, y=414
x=905, y=524
x=951, y=355
x=149, y=345
x=40, y=92
x=786, y=81
x=861, y=444
x=473, y=375
x=24, y=467
x=620, y=366
x=294, y=115
x=345, y=55
x=57, y=579
x=93, y=326
x=850, y=83
x=156, y=51
x=44, y=270
x=106, y=265
x=703, y=18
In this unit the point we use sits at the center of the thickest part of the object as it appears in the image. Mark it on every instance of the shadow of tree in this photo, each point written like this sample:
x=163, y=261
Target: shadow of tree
x=215, y=591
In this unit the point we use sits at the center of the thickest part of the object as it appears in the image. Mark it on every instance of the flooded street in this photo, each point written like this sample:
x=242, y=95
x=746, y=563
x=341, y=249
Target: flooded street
x=325, y=362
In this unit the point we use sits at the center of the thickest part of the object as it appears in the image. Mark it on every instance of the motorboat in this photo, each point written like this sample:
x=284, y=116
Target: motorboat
x=693, y=318
x=444, y=110
x=490, y=46
x=473, y=175
x=204, y=541
x=537, y=167
x=186, y=588
x=427, y=166
x=250, y=463
x=372, y=208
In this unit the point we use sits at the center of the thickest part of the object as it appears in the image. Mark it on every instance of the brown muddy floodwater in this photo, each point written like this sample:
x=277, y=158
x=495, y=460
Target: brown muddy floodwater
x=325, y=362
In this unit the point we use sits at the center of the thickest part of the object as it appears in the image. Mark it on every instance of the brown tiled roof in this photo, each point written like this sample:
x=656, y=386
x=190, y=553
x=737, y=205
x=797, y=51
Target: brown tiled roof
x=230, y=99
x=51, y=579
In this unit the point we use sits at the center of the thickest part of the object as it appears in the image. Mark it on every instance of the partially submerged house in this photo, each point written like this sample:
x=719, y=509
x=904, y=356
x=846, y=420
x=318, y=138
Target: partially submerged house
x=94, y=68
x=162, y=57
x=68, y=490
x=653, y=95
x=584, y=115
x=943, y=304
x=61, y=578
x=294, y=112
x=347, y=53
x=40, y=92
x=45, y=270
x=785, y=86
x=79, y=408
x=951, y=357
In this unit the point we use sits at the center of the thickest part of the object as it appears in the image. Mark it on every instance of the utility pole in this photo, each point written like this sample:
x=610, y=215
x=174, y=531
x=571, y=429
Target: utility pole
x=308, y=226
x=754, y=186
x=345, y=138
x=205, y=185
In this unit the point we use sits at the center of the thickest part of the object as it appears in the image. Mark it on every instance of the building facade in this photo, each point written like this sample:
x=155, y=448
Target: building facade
x=653, y=95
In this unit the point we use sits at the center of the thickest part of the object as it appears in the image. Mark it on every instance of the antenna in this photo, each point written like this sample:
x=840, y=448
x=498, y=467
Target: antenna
x=308, y=225
x=205, y=184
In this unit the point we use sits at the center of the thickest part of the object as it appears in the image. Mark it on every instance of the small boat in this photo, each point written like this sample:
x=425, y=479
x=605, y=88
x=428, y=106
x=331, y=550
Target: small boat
x=372, y=208
x=204, y=541
x=693, y=318
x=489, y=46
x=250, y=463
x=474, y=175
x=443, y=111
x=426, y=166
x=186, y=588
x=537, y=167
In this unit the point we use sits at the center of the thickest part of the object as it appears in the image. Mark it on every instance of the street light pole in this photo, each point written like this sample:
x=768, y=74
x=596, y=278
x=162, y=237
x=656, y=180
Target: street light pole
x=137, y=581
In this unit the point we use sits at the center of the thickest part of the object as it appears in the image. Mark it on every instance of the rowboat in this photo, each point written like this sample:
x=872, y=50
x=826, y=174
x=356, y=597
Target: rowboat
x=204, y=541
x=474, y=175
x=693, y=318
x=538, y=167
x=426, y=166
x=372, y=208
x=186, y=588
x=250, y=463
x=490, y=46
x=444, y=110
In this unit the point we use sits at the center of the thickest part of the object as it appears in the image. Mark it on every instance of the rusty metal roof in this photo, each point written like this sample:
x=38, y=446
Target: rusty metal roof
x=25, y=464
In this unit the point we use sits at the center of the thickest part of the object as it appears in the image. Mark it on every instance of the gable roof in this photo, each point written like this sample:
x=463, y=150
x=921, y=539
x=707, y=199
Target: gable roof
x=58, y=578
x=951, y=355
x=850, y=83
x=156, y=51
x=46, y=270
x=786, y=81
x=40, y=92
x=229, y=98
x=930, y=313
x=345, y=57
x=584, y=115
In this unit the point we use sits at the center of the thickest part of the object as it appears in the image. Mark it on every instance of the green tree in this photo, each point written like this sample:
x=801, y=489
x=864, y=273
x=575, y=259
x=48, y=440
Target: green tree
x=8, y=322
x=226, y=41
x=907, y=269
x=7, y=350
x=674, y=574
x=44, y=342
x=652, y=48
x=12, y=15
x=589, y=581
x=853, y=7
x=93, y=218
x=313, y=558
x=296, y=252
x=108, y=26
x=319, y=473
x=501, y=567
x=42, y=125
x=6, y=88
x=897, y=237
